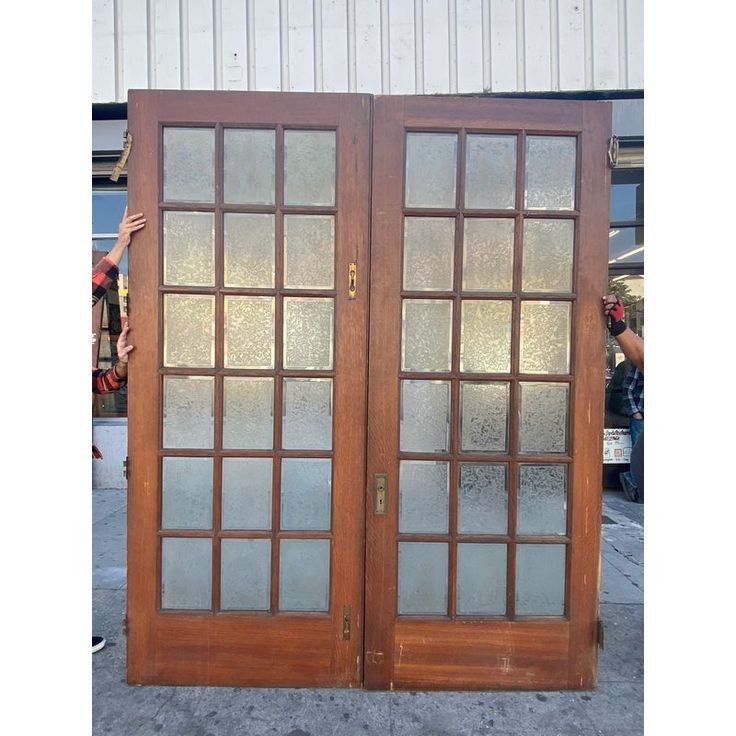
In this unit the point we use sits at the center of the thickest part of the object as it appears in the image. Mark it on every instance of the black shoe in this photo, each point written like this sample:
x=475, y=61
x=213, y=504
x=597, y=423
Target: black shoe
x=97, y=643
x=628, y=487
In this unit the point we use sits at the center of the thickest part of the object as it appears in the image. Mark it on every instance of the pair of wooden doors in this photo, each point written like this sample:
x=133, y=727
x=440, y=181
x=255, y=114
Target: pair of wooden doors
x=366, y=399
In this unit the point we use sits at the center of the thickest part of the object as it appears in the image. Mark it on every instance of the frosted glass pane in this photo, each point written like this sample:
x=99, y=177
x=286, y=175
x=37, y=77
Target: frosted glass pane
x=189, y=164
x=306, y=493
x=307, y=414
x=247, y=413
x=250, y=166
x=481, y=579
x=249, y=250
x=550, y=173
x=309, y=251
x=423, y=577
x=246, y=492
x=189, y=331
x=484, y=416
x=490, y=178
x=425, y=416
x=540, y=579
x=424, y=496
x=429, y=251
x=186, y=491
x=308, y=332
x=249, y=331
x=186, y=573
x=189, y=248
x=309, y=167
x=545, y=337
x=431, y=166
x=548, y=255
x=543, y=418
x=485, y=336
x=189, y=411
x=483, y=499
x=488, y=254
x=245, y=574
x=426, y=335
x=304, y=575
x=542, y=500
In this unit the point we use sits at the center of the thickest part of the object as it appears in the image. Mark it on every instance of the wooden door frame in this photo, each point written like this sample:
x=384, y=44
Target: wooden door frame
x=207, y=648
x=561, y=653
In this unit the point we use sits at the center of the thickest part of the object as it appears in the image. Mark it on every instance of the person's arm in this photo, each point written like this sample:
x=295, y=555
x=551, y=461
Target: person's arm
x=112, y=379
x=630, y=343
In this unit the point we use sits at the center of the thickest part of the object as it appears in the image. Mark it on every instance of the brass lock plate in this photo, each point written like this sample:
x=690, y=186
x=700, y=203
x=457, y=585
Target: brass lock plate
x=380, y=491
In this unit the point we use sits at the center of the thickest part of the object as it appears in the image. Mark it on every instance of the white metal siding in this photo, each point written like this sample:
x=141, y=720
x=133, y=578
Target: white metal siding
x=375, y=46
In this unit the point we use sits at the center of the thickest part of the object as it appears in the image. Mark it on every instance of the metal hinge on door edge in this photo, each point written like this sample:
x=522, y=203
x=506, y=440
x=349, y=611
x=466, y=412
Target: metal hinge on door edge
x=346, y=622
x=125, y=625
x=120, y=165
x=600, y=635
x=126, y=468
x=612, y=151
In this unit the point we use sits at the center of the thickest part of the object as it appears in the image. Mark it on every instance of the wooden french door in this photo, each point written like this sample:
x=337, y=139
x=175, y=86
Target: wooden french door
x=489, y=250
x=248, y=312
x=304, y=511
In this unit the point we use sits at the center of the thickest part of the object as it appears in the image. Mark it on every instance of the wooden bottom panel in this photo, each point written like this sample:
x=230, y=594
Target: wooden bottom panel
x=482, y=655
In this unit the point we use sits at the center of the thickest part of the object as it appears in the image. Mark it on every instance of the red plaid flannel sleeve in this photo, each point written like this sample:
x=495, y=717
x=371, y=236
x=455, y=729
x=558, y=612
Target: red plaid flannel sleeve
x=103, y=274
x=105, y=381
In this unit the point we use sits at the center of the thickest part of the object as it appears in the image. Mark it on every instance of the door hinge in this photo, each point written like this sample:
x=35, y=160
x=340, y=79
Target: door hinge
x=126, y=468
x=346, y=623
x=125, y=625
x=601, y=637
x=352, y=280
x=613, y=151
x=120, y=165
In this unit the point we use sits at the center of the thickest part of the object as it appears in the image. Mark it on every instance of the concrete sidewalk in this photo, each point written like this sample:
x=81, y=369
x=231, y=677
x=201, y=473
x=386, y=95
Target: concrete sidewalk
x=615, y=708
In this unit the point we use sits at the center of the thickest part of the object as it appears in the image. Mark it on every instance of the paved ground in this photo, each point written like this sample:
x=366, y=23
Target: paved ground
x=615, y=708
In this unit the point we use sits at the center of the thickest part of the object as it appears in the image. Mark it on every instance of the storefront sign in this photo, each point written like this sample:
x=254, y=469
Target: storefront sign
x=616, y=445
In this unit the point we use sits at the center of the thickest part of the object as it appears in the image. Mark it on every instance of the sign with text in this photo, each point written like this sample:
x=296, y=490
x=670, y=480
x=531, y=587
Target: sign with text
x=616, y=445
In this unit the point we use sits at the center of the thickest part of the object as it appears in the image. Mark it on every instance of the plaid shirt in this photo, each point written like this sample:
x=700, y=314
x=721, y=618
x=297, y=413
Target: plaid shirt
x=633, y=388
x=103, y=274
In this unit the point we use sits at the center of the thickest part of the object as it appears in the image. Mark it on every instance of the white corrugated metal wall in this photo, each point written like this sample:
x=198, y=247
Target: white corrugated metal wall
x=373, y=46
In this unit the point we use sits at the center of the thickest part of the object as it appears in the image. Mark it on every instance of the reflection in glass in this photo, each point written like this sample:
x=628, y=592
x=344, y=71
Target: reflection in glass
x=488, y=254
x=481, y=579
x=542, y=501
x=483, y=499
x=306, y=496
x=186, y=493
x=249, y=166
x=550, y=173
x=484, y=416
x=543, y=418
x=307, y=410
x=429, y=250
x=188, y=419
x=189, y=330
x=246, y=492
x=249, y=331
x=186, y=573
x=309, y=167
x=308, y=332
x=245, y=574
x=544, y=337
x=249, y=250
x=626, y=245
x=309, y=251
x=425, y=416
x=485, y=336
x=189, y=248
x=423, y=577
x=548, y=255
x=431, y=165
x=540, y=579
x=189, y=164
x=424, y=493
x=304, y=576
x=426, y=335
x=490, y=178
x=247, y=413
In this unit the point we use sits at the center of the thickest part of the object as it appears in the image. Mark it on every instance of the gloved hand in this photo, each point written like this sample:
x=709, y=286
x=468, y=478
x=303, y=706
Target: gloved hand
x=614, y=308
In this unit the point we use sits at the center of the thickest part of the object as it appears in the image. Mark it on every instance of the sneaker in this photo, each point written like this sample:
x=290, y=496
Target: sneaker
x=629, y=489
x=97, y=643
